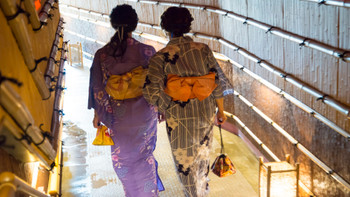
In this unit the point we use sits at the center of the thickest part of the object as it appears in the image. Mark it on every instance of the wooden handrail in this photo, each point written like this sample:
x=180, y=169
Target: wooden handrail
x=18, y=24
x=10, y=183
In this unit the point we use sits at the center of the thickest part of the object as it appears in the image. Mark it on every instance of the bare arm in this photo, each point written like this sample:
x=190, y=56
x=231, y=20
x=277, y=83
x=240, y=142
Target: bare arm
x=221, y=118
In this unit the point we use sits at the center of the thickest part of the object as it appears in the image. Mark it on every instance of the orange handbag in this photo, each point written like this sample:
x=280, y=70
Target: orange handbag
x=222, y=166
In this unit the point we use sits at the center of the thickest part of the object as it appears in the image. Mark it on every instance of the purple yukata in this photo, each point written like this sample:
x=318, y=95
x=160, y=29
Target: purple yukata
x=133, y=122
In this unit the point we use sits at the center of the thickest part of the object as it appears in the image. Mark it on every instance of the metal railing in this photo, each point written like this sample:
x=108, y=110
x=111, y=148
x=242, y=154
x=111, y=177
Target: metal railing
x=302, y=41
x=339, y=3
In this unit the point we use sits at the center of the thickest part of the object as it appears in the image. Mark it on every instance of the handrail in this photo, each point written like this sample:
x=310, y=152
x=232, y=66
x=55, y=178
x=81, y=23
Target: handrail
x=268, y=151
x=295, y=142
x=56, y=173
x=14, y=106
x=18, y=24
x=33, y=149
x=275, y=125
x=302, y=41
x=10, y=183
x=255, y=76
x=44, y=13
x=320, y=96
x=58, y=102
x=51, y=62
x=33, y=16
x=339, y=3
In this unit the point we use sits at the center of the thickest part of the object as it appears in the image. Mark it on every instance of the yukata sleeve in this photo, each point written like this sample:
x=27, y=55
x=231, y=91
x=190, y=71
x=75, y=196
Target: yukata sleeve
x=98, y=97
x=224, y=86
x=153, y=90
x=213, y=66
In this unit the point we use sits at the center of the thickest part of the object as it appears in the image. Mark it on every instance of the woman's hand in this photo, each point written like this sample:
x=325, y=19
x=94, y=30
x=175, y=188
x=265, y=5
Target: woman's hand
x=96, y=122
x=221, y=118
x=161, y=117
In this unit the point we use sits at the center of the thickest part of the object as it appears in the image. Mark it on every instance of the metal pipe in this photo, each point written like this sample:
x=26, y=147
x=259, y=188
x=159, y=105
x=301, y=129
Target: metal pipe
x=336, y=52
x=51, y=66
x=10, y=183
x=344, y=109
x=268, y=151
x=280, y=91
x=44, y=13
x=321, y=164
x=266, y=65
x=56, y=120
x=257, y=140
x=340, y=3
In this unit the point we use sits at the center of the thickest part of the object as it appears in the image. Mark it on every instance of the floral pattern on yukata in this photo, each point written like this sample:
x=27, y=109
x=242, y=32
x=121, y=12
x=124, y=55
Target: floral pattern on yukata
x=115, y=157
x=127, y=155
x=148, y=147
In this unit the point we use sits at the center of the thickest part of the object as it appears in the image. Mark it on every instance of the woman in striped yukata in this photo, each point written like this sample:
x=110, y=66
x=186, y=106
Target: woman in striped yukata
x=186, y=84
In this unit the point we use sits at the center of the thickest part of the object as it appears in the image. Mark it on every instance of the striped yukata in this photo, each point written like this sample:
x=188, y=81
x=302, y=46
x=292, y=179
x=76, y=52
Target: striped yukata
x=189, y=124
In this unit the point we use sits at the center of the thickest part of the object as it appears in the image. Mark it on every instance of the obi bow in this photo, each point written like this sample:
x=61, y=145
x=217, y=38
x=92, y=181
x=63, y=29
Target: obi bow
x=184, y=88
x=128, y=85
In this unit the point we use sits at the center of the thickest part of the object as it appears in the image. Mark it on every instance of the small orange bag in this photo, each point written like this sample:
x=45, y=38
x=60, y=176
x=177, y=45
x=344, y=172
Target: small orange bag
x=222, y=166
x=103, y=137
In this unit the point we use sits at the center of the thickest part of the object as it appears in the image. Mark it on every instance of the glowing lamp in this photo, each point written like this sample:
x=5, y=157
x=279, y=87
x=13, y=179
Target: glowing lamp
x=278, y=179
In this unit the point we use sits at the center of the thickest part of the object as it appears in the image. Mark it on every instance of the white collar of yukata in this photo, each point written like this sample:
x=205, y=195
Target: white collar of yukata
x=181, y=39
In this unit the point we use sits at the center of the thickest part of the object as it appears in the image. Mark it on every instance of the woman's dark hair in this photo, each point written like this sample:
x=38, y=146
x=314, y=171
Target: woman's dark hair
x=176, y=20
x=124, y=20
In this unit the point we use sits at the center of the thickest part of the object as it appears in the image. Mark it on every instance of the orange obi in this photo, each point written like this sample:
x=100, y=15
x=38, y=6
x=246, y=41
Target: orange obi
x=128, y=85
x=184, y=88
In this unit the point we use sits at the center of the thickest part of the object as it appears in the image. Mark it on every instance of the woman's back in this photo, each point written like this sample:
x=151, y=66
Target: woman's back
x=136, y=54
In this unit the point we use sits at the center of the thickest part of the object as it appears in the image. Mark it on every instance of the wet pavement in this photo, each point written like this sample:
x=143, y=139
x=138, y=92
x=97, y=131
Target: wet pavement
x=88, y=170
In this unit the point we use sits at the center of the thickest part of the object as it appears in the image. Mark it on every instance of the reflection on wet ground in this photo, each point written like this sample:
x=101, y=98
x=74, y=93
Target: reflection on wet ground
x=74, y=159
x=88, y=169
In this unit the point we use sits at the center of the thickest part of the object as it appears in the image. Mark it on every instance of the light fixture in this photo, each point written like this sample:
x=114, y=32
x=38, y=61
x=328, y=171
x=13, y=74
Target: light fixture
x=278, y=179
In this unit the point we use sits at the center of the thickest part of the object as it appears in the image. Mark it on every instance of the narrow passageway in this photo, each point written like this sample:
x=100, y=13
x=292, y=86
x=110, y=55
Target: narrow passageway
x=88, y=169
x=284, y=75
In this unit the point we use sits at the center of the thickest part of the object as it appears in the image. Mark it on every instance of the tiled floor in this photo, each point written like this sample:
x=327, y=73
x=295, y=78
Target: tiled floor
x=88, y=169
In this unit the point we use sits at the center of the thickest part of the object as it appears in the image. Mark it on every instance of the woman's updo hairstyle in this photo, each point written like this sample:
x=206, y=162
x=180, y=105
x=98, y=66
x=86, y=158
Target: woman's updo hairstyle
x=176, y=21
x=124, y=20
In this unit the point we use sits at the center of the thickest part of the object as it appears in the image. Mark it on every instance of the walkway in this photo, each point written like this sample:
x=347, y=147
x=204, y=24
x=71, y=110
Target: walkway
x=88, y=169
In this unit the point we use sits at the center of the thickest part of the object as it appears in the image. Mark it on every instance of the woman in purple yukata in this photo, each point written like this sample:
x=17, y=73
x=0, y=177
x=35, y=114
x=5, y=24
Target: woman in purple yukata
x=117, y=77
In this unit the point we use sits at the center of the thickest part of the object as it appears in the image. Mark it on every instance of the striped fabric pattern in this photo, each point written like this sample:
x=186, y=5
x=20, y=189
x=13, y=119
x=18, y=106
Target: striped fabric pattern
x=189, y=124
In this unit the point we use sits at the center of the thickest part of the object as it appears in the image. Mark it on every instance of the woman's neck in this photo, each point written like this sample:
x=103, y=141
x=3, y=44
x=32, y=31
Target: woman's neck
x=172, y=35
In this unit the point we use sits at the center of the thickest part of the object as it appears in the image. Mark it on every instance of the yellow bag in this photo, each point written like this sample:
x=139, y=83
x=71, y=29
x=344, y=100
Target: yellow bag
x=103, y=137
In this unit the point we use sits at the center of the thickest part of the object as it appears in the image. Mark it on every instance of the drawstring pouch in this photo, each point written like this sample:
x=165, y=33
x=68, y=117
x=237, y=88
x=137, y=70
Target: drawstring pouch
x=222, y=166
x=103, y=137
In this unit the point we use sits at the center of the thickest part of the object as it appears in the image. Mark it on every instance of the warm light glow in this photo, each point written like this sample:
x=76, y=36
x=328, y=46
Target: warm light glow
x=151, y=37
x=37, y=4
x=54, y=180
x=253, y=136
x=35, y=173
x=278, y=179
